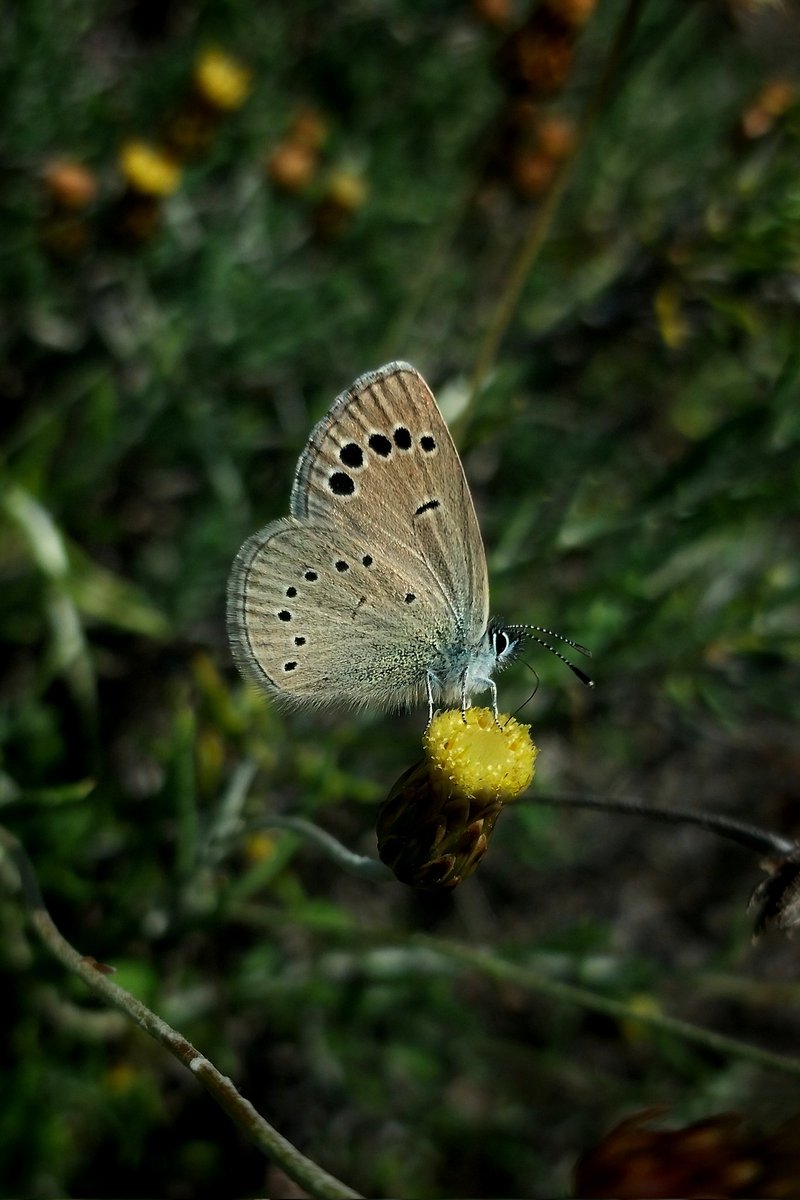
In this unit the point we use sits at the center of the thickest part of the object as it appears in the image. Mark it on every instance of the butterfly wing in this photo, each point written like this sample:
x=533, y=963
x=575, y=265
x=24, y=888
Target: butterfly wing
x=378, y=578
x=382, y=461
x=315, y=619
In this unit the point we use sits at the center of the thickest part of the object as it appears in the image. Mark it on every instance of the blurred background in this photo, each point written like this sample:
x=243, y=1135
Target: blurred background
x=213, y=217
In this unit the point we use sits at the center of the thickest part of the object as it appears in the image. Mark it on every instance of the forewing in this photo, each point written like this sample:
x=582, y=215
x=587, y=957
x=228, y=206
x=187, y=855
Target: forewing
x=382, y=463
x=316, y=615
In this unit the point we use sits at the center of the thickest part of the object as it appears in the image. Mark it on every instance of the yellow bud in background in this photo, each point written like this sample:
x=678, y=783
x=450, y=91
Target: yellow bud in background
x=148, y=170
x=346, y=189
x=259, y=847
x=344, y=194
x=221, y=80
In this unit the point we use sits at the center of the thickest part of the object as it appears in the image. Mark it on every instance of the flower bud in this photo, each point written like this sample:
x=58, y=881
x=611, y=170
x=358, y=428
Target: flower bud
x=435, y=826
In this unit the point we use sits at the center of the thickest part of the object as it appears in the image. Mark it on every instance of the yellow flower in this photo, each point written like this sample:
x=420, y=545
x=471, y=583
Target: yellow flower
x=435, y=826
x=480, y=755
x=222, y=81
x=148, y=170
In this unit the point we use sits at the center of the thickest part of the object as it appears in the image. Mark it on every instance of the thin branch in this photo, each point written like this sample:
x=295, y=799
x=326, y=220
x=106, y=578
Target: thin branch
x=761, y=841
x=362, y=865
x=567, y=993
x=302, y=1170
x=751, y=837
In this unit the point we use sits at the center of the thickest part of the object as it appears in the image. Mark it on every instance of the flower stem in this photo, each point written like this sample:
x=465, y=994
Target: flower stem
x=500, y=969
x=356, y=864
x=760, y=841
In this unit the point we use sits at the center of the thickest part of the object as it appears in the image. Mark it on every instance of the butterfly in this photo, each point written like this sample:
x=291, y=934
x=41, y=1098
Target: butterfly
x=374, y=590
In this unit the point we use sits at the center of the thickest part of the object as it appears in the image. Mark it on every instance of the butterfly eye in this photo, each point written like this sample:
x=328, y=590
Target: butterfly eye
x=500, y=643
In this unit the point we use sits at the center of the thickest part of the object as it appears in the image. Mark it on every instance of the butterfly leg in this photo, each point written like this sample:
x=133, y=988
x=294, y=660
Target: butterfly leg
x=490, y=683
x=429, y=685
x=464, y=704
x=492, y=686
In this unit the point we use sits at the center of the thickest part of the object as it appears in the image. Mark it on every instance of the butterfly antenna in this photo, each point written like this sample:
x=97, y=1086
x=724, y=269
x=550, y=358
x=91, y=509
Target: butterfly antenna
x=559, y=638
x=584, y=678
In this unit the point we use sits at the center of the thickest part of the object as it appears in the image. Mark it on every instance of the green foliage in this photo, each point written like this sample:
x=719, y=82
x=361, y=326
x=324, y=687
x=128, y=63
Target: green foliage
x=634, y=459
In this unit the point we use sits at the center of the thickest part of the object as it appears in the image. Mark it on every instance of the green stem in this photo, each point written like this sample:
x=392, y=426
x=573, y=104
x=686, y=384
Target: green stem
x=357, y=864
x=567, y=993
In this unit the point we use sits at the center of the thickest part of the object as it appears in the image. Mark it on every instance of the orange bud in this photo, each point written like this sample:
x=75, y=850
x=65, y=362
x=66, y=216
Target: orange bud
x=532, y=173
x=292, y=165
x=497, y=13
x=556, y=135
x=70, y=184
x=575, y=12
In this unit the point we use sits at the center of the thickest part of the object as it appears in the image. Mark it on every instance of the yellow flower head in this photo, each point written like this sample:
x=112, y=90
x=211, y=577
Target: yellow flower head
x=436, y=824
x=148, y=170
x=479, y=754
x=222, y=81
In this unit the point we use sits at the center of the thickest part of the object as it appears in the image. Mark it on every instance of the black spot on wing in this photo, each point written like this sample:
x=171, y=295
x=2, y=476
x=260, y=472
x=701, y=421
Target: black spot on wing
x=341, y=484
x=352, y=455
